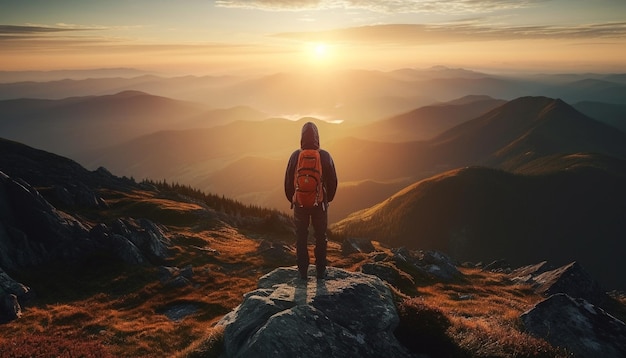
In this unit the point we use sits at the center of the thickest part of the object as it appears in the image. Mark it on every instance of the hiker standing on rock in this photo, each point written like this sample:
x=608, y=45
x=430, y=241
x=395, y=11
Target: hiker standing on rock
x=310, y=184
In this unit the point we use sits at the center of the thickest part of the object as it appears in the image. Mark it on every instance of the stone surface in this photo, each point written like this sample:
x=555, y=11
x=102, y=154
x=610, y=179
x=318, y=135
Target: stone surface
x=346, y=315
x=356, y=245
x=388, y=272
x=577, y=325
x=573, y=280
x=10, y=308
x=429, y=265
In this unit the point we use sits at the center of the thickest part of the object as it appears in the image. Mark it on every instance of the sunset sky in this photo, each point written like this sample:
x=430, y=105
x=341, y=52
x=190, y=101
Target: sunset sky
x=213, y=37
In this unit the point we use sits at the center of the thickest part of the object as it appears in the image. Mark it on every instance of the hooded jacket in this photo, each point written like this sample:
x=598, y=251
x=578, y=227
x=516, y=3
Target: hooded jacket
x=310, y=139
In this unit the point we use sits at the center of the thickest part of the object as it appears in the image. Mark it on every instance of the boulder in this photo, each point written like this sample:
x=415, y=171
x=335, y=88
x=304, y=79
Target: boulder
x=389, y=273
x=573, y=280
x=429, y=265
x=32, y=231
x=582, y=328
x=356, y=245
x=526, y=274
x=79, y=195
x=174, y=277
x=500, y=265
x=10, y=286
x=10, y=308
x=276, y=252
x=133, y=241
x=349, y=314
x=11, y=292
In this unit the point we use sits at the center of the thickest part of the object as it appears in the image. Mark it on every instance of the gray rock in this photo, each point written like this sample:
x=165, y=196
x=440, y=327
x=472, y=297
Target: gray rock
x=276, y=252
x=174, y=277
x=429, y=265
x=356, y=245
x=33, y=231
x=187, y=272
x=10, y=308
x=133, y=241
x=388, y=272
x=10, y=286
x=126, y=250
x=573, y=280
x=156, y=243
x=347, y=315
x=500, y=265
x=578, y=326
x=526, y=274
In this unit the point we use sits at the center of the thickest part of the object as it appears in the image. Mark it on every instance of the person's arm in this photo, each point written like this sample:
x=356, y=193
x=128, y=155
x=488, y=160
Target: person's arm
x=330, y=176
x=289, y=176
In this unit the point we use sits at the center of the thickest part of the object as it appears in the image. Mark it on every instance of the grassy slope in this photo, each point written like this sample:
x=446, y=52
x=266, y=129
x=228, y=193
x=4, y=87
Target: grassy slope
x=110, y=309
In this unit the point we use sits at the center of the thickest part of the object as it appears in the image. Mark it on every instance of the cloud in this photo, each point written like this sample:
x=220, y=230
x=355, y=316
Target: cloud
x=12, y=32
x=30, y=29
x=411, y=34
x=397, y=6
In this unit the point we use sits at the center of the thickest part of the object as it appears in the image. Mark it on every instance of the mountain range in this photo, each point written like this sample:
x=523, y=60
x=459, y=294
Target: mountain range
x=241, y=152
x=143, y=136
x=159, y=210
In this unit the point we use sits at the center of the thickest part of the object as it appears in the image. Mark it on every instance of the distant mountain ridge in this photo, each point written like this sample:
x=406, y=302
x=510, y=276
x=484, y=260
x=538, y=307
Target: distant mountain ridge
x=477, y=214
x=564, y=202
x=509, y=136
x=76, y=125
x=428, y=121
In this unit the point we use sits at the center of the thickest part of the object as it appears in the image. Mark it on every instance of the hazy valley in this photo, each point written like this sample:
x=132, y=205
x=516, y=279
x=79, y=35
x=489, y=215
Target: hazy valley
x=479, y=167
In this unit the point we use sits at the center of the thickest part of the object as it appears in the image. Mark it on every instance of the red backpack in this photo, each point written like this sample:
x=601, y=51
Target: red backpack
x=308, y=179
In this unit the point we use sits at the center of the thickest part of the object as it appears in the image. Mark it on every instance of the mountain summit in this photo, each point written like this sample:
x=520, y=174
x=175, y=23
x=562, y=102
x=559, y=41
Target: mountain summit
x=525, y=129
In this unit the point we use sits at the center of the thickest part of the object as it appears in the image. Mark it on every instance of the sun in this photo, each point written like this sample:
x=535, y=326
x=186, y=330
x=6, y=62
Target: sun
x=320, y=49
x=320, y=54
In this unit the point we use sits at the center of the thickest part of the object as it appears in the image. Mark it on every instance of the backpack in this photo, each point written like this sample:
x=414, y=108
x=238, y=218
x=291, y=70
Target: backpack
x=308, y=179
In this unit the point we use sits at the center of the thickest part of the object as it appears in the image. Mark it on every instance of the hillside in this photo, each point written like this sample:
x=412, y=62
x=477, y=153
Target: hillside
x=74, y=125
x=428, y=121
x=524, y=129
x=478, y=214
x=502, y=137
x=101, y=296
x=611, y=114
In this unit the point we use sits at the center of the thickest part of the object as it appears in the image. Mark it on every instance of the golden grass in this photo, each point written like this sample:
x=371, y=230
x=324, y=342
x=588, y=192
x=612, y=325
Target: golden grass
x=109, y=309
x=484, y=313
x=124, y=310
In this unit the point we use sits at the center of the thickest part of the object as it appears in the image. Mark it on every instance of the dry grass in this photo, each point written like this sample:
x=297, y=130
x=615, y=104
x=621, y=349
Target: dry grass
x=484, y=315
x=108, y=309
x=120, y=310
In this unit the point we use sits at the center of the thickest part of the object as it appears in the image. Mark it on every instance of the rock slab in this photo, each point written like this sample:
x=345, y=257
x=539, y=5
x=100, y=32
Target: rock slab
x=349, y=314
x=582, y=328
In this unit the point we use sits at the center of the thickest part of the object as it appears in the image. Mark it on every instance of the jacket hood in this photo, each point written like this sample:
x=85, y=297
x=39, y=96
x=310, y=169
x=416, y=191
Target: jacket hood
x=310, y=137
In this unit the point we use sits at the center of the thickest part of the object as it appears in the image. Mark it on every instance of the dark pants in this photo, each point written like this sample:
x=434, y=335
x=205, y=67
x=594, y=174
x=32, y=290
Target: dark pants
x=318, y=218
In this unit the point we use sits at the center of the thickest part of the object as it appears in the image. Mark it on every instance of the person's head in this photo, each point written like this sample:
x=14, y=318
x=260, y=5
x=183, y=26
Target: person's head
x=310, y=137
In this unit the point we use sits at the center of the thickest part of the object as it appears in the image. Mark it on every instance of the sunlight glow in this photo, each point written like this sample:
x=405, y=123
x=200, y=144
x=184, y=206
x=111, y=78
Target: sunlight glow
x=319, y=52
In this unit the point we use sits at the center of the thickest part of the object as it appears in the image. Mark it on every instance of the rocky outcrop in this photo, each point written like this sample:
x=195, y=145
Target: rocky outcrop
x=353, y=245
x=33, y=233
x=578, y=326
x=573, y=280
x=347, y=315
x=427, y=265
x=526, y=274
x=10, y=292
x=388, y=272
x=276, y=252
